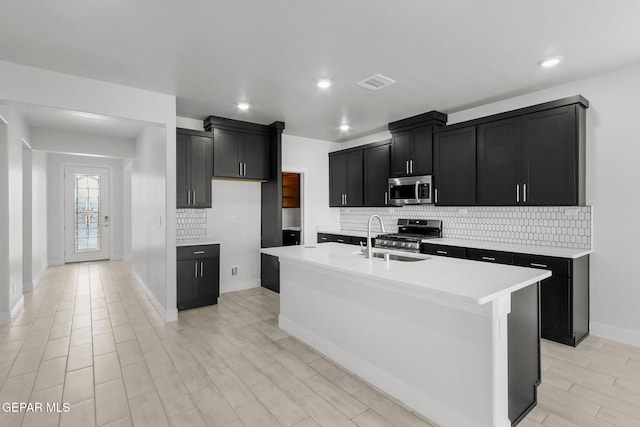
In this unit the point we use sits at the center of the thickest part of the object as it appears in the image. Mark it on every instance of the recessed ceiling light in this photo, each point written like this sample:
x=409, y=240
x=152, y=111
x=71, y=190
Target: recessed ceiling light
x=243, y=106
x=551, y=62
x=324, y=83
x=344, y=127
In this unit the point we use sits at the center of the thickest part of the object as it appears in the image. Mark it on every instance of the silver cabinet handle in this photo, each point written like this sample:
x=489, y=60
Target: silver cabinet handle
x=196, y=272
x=340, y=241
x=406, y=166
x=535, y=264
x=201, y=268
x=189, y=197
x=410, y=166
x=517, y=193
x=442, y=252
x=488, y=258
x=417, y=190
x=194, y=197
x=524, y=193
x=386, y=198
x=198, y=252
x=436, y=195
x=244, y=169
x=240, y=168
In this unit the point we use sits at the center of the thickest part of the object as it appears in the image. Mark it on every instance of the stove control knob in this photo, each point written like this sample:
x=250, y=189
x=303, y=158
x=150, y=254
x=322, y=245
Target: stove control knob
x=381, y=242
x=393, y=244
x=402, y=245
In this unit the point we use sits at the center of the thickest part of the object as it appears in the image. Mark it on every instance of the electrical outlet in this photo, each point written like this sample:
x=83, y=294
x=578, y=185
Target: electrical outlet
x=234, y=270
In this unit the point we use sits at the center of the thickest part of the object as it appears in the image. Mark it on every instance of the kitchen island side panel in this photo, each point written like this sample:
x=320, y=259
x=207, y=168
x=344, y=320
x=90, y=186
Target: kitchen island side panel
x=445, y=362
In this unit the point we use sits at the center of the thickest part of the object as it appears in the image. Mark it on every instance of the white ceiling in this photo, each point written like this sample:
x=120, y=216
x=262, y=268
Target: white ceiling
x=445, y=55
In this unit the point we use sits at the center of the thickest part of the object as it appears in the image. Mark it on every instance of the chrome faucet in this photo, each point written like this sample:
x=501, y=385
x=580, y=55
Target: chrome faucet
x=369, y=245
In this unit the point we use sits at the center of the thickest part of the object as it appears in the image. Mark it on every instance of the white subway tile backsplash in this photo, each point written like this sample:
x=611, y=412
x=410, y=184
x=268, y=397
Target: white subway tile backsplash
x=527, y=225
x=191, y=224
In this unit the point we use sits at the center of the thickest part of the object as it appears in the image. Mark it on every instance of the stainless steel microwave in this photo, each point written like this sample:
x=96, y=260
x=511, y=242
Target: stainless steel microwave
x=410, y=190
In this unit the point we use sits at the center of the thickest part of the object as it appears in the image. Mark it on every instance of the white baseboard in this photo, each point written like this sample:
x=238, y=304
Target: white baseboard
x=239, y=285
x=8, y=316
x=614, y=333
x=168, y=315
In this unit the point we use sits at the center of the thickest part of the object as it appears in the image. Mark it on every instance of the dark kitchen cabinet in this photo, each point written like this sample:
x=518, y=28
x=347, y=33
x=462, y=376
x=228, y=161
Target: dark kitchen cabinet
x=194, y=169
x=533, y=158
x=454, y=167
x=346, y=178
x=376, y=175
x=240, y=155
x=290, y=237
x=498, y=257
x=411, y=152
x=198, y=276
x=499, y=162
x=412, y=144
x=564, y=297
x=444, y=250
x=342, y=238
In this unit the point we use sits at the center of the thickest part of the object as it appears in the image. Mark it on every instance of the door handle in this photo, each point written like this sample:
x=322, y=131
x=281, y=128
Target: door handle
x=488, y=258
x=406, y=166
x=240, y=168
x=442, y=252
x=436, y=195
x=201, y=268
x=198, y=252
x=386, y=198
x=196, y=272
x=410, y=166
x=535, y=264
x=517, y=193
x=524, y=193
x=189, y=197
x=194, y=197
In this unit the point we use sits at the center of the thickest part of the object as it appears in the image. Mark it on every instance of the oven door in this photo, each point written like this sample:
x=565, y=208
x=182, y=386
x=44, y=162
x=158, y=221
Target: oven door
x=410, y=190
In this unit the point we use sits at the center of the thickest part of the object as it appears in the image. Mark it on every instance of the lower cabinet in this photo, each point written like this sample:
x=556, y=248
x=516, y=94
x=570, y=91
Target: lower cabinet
x=290, y=237
x=564, y=297
x=341, y=238
x=198, y=276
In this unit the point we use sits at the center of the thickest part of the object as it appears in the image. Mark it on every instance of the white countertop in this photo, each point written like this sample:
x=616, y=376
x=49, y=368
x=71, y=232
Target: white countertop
x=482, y=244
x=471, y=281
x=197, y=242
x=513, y=247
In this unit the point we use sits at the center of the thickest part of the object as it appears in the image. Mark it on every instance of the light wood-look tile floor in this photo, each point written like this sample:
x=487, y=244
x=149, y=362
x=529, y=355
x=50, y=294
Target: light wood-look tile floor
x=90, y=337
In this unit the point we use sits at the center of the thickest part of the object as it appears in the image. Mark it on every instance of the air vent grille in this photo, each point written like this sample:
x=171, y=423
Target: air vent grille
x=376, y=82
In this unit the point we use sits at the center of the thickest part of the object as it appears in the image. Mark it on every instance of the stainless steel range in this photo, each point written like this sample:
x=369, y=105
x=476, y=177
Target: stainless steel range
x=411, y=232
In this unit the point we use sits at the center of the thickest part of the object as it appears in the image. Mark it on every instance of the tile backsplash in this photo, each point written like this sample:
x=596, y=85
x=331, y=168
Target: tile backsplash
x=567, y=227
x=191, y=224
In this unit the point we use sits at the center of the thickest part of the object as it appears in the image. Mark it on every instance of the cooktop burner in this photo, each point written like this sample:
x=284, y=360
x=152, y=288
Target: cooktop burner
x=411, y=232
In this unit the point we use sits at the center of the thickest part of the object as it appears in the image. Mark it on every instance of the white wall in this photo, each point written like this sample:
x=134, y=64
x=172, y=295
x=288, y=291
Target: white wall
x=35, y=86
x=11, y=218
x=310, y=157
x=55, y=202
x=234, y=220
x=149, y=242
x=126, y=210
x=27, y=280
x=57, y=141
x=39, y=216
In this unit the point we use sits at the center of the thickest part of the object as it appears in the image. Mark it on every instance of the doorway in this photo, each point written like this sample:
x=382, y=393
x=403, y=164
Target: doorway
x=86, y=214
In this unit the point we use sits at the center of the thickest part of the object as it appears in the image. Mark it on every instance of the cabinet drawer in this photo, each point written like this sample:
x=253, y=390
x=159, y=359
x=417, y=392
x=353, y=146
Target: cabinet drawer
x=560, y=267
x=443, y=250
x=324, y=238
x=198, y=252
x=490, y=256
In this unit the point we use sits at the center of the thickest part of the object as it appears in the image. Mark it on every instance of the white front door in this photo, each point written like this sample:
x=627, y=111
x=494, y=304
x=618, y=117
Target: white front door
x=86, y=213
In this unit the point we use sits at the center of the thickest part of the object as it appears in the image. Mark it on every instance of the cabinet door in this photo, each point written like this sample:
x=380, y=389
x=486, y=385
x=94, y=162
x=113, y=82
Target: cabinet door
x=182, y=171
x=226, y=153
x=455, y=167
x=421, y=151
x=255, y=149
x=555, y=308
x=337, y=179
x=201, y=166
x=354, y=178
x=400, y=153
x=376, y=175
x=499, y=164
x=208, y=287
x=549, y=156
x=186, y=292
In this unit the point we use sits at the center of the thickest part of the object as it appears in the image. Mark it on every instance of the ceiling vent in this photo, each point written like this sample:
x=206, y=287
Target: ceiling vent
x=376, y=82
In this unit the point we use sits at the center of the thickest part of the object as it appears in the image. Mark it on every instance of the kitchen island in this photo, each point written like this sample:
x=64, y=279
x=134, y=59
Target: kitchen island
x=456, y=340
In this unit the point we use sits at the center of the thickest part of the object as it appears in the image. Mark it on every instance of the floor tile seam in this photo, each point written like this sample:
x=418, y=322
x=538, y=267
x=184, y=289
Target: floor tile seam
x=636, y=417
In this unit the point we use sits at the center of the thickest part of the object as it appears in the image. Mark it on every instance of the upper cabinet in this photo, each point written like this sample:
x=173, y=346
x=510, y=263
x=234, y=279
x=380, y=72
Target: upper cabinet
x=536, y=158
x=194, y=169
x=345, y=178
x=454, y=167
x=376, y=175
x=412, y=144
x=240, y=149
